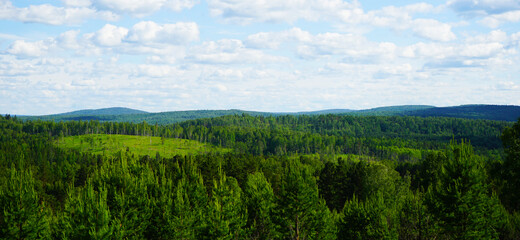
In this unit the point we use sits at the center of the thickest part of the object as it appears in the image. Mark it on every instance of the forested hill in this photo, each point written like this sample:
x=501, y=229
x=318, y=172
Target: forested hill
x=487, y=112
x=102, y=114
x=105, y=111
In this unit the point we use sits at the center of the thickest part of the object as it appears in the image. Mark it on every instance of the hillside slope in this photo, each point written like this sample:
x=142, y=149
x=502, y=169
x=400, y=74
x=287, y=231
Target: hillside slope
x=489, y=112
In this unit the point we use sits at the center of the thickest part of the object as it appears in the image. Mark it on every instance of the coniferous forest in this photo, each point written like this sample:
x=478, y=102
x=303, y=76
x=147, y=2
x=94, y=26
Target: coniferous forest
x=261, y=177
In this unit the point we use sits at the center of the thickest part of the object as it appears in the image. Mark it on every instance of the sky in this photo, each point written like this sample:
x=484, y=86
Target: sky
x=261, y=55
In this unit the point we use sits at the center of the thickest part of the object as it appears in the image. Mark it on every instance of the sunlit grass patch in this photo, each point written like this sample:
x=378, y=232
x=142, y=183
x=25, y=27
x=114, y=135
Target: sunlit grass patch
x=139, y=145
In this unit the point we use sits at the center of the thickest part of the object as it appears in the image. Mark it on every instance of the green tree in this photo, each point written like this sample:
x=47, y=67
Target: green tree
x=415, y=222
x=127, y=183
x=511, y=166
x=260, y=201
x=185, y=207
x=22, y=215
x=301, y=213
x=460, y=198
x=366, y=220
x=226, y=215
x=86, y=215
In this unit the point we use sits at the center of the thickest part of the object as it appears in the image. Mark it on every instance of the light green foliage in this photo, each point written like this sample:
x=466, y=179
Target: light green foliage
x=186, y=216
x=185, y=210
x=86, y=214
x=22, y=215
x=139, y=145
x=226, y=215
x=380, y=179
x=127, y=184
x=260, y=201
x=301, y=213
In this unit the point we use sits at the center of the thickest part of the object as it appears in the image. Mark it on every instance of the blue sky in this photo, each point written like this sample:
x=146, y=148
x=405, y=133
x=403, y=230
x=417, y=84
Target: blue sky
x=294, y=55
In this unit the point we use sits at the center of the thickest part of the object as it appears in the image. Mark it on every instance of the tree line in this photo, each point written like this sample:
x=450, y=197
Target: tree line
x=449, y=191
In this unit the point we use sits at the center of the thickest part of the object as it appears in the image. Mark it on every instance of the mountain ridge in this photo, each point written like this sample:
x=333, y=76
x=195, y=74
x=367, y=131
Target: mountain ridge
x=104, y=111
x=122, y=114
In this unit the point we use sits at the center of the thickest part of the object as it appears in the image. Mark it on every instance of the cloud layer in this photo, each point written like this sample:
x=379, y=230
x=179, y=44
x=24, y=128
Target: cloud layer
x=298, y=55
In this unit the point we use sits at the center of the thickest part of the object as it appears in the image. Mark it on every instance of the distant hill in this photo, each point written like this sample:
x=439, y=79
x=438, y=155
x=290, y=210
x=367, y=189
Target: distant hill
x=103, y=114
x=137, y=116
x=327, y=111
x=104, y=111
x=489, y=112
x=390, y=111
x=179, y=116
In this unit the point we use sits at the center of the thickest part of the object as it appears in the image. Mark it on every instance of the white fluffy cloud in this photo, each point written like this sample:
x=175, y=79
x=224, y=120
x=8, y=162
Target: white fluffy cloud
x=351, y=46
x=229, y=51
x=143, y=38
x=272, y=40
x=483, y=7
x=401, y=19
x=308, y=46
x=30, y=49
x=77, y=3
x=249, y=11
x=481, y=50
x=159, y=43
x=433, y=29
x=69, y=39
x=53, y=15
x=494, y=21
x=141, y=8
x=337, y=11
x=493, y=36
x=110, y=35
x=151, y=70
x=455, y=51
x=151, y=32
x=78, y=11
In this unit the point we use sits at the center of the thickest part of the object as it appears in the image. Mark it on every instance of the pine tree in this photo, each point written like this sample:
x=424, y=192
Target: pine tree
x=188, y=206
x=511, y=169
x=127, y=184
x=86, y=214
x=460, y=199
x=301, y=214
x=415, y=222
x=260, y=201
x=226, y=215
x=366, y=220
x=22, y=215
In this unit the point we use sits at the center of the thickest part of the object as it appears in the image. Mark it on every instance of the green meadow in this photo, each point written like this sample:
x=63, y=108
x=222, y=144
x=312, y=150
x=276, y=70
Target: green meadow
x=140, y=145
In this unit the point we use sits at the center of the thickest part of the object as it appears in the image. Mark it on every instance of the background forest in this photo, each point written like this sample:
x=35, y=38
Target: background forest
x=261, y=177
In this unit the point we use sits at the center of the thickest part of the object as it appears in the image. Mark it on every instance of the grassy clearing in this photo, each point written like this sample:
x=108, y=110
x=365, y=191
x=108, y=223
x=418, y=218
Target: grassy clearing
x=139, y=145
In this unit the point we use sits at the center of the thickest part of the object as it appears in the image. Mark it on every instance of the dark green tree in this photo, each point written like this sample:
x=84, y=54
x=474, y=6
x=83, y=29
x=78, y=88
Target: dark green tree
x=366, y=220
x=415, y=222
x=22, y=215
x=511, y=167
x=301, y=213
x=461, y=200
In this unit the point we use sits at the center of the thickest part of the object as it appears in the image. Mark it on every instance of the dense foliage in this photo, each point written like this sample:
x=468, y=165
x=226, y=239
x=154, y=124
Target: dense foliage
x=288, y=177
